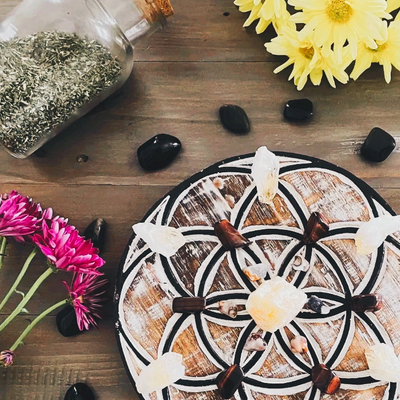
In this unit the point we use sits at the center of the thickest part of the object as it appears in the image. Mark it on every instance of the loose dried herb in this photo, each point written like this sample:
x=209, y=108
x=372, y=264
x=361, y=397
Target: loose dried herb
x=44, y=79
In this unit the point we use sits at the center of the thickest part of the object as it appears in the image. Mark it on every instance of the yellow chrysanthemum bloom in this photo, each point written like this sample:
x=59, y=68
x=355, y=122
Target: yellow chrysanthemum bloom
x=392, y=5
x=308, y=59
x=387, y=53
x=335, y=21
x=267, y=11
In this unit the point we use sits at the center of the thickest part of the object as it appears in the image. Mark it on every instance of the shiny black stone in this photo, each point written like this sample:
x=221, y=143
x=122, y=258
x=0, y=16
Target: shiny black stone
x=298, y=110
x=158, y=151
x=378, y=145
x=234, y=118
x=96, y=231
x=79, y=391
x=66, y=322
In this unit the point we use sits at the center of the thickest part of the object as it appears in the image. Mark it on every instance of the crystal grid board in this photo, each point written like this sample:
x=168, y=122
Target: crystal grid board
x=210, y=342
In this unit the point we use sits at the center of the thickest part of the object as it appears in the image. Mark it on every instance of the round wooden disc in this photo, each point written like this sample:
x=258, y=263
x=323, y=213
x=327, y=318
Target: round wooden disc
x=210, y=341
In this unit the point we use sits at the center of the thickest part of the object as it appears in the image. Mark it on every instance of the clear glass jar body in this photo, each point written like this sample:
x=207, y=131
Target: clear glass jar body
x=48, y=76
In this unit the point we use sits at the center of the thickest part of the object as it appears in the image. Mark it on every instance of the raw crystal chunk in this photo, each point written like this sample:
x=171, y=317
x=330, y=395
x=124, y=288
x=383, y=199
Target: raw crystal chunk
x=161, y=239
x=256, y=272
x=324, y=379
x=228, y=307
x=229, y=236
x=316, y=228
x=158, y=152
x=300, y=263
x=160, y=373
x=229, y=381
x=378, y=145
x=372, y=234
x=275, y=303
x=265, y=172
x=317, y=305
x=383, y=363
x=298, y=110
x=367, y=302
x=234, y=118
x=255, y=342
x=190, y=305
x=299, y=345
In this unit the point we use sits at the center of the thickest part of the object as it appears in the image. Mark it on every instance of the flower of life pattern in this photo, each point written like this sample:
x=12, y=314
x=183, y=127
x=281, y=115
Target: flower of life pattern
x=143, y=310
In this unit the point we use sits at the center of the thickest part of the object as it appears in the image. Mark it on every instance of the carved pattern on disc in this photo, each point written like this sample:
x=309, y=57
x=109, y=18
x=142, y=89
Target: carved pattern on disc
x=211, y=341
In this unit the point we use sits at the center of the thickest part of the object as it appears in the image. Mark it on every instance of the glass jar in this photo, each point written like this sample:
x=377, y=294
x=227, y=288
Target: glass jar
x=61, y=58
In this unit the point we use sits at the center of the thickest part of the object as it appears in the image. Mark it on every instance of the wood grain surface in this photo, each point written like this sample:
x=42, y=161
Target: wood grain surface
x=181, y=77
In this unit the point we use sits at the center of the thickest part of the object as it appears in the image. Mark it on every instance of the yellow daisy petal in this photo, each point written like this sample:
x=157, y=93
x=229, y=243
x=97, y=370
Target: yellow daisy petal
x=334, y=22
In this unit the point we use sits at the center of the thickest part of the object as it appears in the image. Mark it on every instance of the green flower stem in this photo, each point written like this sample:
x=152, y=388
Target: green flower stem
x=2, y=250
x=19, y=277
x=27, y=297
x=25, y=333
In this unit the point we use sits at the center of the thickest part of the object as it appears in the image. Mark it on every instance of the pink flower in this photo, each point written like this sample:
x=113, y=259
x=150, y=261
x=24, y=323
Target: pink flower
x=20, y=216
x=86, y=298
x=7, y=357
x=66, y=249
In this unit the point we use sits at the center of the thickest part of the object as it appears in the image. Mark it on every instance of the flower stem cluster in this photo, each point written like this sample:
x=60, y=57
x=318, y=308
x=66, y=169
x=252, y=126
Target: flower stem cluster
x=65, y=250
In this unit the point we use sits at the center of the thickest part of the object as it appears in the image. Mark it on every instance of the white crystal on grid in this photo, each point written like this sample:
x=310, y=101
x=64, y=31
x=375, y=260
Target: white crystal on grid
x=383, y=363
x=161, y=373
x=371, y=234
x=265, y=172
x=256, y=272
x=275, y=303
x=161, y=239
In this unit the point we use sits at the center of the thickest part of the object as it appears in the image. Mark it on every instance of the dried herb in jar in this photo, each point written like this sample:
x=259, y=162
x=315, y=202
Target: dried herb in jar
x=44, y=79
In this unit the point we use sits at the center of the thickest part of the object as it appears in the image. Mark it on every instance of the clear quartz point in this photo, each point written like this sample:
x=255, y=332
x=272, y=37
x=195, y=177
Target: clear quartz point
x=265, y=172
x=372, y=234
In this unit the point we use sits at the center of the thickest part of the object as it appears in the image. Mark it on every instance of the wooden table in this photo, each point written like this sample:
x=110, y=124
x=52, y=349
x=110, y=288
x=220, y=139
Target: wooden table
x=181, y=77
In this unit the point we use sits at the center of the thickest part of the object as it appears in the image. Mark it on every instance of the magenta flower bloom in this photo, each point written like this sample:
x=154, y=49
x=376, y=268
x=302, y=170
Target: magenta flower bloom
x=20, y=216
x=85, y=294
x=7, y=357
x=65, y=249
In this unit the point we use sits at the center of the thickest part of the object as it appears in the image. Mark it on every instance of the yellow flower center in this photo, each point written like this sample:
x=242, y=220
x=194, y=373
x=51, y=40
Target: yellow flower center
x=308, y=52
x=339, y=11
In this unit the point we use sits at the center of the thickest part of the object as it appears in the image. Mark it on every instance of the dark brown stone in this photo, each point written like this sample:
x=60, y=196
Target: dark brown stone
x=229, y=236
x=367, y=302
x=229, y=381
x=189, y=305
x=316, y=228
x=324, y=379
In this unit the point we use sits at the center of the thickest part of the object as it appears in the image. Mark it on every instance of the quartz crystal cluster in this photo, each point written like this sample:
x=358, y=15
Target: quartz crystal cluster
x=275, y=303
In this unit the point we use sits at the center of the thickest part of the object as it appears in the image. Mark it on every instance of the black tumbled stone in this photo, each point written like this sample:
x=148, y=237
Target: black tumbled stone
x=79, y=391
x=66, y=321
x=378, y=145
x=96, y=231
x=158, y=151
x=298, y=110
x=234, y=118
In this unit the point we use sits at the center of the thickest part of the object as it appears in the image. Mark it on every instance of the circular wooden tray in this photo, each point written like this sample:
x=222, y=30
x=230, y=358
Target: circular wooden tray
x=210, y=342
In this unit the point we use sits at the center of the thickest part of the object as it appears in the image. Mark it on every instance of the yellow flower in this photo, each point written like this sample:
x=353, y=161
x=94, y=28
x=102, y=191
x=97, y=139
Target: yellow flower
x=308, y=59
x=392, y=5
x=387, y=53
x=335, y=21
x=267, y=11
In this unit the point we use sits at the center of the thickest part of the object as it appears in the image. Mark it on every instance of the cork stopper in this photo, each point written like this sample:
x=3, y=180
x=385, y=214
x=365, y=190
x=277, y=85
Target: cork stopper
x=155, y=10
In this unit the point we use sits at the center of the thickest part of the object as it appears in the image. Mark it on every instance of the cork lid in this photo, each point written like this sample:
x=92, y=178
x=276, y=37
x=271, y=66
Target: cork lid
x=155, y=10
